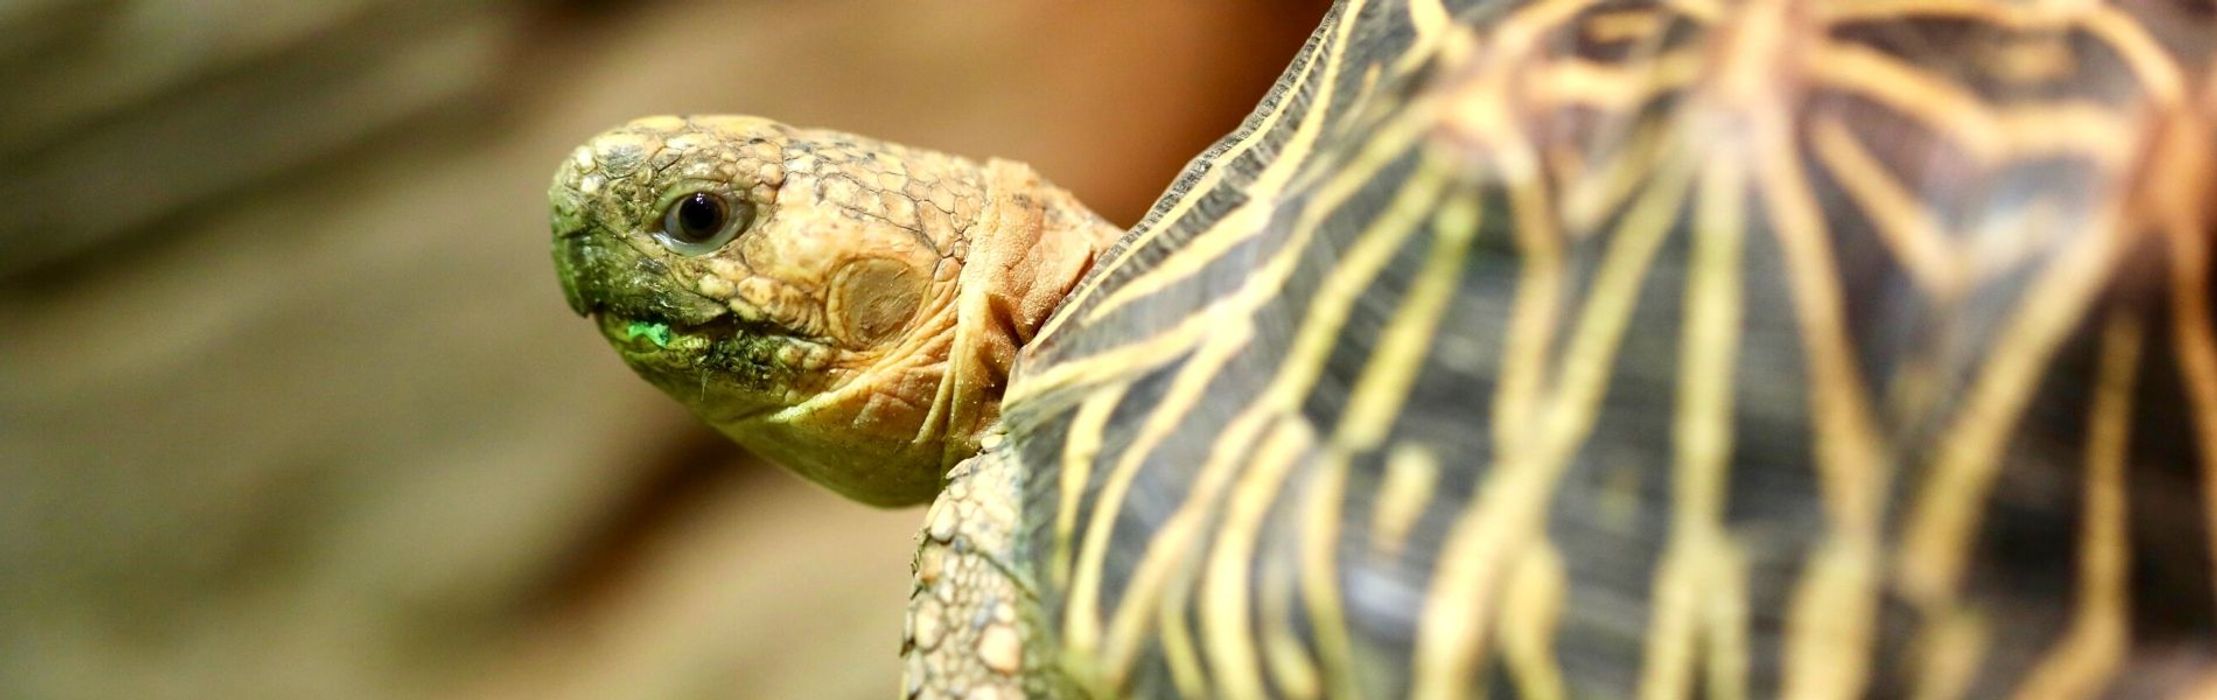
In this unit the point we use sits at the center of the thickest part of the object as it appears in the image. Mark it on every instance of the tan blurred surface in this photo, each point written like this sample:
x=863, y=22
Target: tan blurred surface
x=289, y=402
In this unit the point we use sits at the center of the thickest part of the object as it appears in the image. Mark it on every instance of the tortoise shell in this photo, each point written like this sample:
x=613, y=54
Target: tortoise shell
x=1578, y=347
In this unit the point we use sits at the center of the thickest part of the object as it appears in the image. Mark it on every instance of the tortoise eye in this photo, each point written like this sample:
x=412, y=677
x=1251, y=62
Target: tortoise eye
x=701, y=222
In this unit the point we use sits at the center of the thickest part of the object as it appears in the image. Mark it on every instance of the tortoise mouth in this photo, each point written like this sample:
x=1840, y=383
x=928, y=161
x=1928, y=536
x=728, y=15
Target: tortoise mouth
x=652, y=334
x=757, y=355
x=728, y=370
x=655, y=335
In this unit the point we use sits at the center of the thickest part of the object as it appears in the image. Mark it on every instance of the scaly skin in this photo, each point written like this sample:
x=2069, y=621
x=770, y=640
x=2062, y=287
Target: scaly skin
x=860, y=327
x=974, y=629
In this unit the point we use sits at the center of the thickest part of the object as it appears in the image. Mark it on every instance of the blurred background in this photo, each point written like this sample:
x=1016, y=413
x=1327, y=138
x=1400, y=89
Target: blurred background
x=290, y=405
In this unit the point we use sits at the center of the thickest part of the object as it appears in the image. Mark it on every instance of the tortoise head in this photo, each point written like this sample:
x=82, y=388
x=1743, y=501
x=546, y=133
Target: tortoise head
x=845, y=307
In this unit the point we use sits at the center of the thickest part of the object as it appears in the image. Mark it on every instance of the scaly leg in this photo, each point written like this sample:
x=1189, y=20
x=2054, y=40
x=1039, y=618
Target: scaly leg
x=971, y=630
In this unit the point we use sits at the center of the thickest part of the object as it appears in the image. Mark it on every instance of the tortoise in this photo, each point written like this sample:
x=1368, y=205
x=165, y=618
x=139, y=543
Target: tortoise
x=1551, y=348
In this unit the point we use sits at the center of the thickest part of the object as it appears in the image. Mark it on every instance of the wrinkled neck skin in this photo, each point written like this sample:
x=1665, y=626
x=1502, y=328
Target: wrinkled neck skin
x=860, y=327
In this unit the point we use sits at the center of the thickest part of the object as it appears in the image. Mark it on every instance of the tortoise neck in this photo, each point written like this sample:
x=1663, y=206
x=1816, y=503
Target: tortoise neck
x=1031, y=244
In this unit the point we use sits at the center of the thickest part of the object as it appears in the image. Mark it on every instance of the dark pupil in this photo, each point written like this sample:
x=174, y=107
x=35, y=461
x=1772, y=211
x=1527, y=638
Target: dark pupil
x=699, y=217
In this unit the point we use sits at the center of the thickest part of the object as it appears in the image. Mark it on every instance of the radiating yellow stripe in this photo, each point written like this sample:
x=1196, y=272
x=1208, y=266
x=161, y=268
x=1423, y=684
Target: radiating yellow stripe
x=1702, y=429
x=1532, y=318
x=1512, y=503
x=1081, y=448
x=1282, y=653
x=1082, y=629
x=1947, y=654
x=1388, y=141
x=1726, y=618
x=1372, y=406
x=1428, y=17
x=1986, y=133
x=1484, y=115
x=2155, y=68
x=1534, y=610
x=1828, y=626
x=1178, y=651
x=2088, y=656
x=1704, y=434
x=1983, y=11
x=1224, y=608
x=1437, y=35
x=1123, y=361
x=1262, y=195
x=1383, y=386
x=1320, y=509
x=1082, y=622
x=1343, y=286
x=1201, y=187
x=1167, y=550
x=1613, y=87
x=1412, y=472
x=1829, y=621
x=1849, y=452
x=1946, y=510
x=1695, y=561
x=1645, y=24
x=1908, y=229
x=1587, y=201
x=1298, y=373
x=1304, y=361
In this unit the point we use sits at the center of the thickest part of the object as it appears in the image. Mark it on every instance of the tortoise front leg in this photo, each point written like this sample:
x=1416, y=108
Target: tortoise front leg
x=969, y=631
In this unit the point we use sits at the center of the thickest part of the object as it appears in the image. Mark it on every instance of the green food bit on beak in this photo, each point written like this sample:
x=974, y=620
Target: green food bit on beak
x=656, y=332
